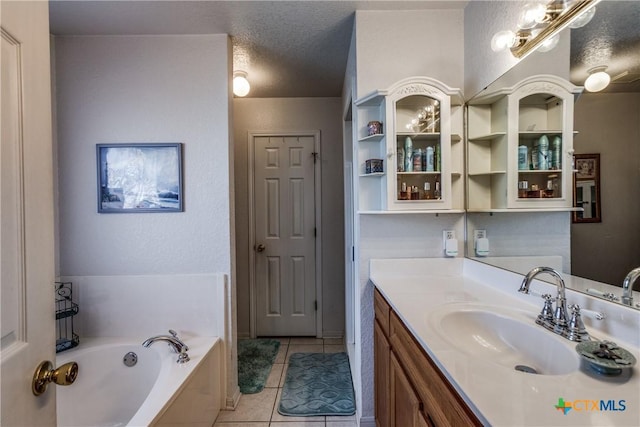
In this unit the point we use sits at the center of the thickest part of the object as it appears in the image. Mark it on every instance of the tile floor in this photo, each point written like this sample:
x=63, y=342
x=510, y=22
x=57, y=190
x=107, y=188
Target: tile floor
x=261, y=409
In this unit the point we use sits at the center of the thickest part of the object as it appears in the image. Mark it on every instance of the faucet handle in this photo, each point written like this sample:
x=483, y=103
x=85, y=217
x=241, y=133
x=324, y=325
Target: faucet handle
x=173, y=333
x=575, y=329
x=545, y=318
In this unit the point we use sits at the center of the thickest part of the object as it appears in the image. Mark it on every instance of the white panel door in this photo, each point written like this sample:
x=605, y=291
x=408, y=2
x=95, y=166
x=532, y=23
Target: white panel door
x=26, y=213
x=284, y=204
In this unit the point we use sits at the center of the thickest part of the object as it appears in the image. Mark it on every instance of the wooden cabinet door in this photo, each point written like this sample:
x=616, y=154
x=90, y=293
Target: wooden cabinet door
x=381, y=353
x=405, y=405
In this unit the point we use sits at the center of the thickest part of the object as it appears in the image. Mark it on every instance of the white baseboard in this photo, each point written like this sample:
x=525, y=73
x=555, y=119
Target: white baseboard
x=367, y=422
x=332, y=334
x=232, y=401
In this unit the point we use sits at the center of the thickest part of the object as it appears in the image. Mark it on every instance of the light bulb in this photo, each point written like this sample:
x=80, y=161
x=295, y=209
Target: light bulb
x=503, y=40
x=598, y=79
x=241, y=85
x=549, y=43
x=583, y=19
x=532, y=14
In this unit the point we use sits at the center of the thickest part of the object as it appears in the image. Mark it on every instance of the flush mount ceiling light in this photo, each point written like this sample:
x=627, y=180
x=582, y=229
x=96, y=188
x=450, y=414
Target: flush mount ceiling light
x=540, y=21
x=241, y=85
x=598, y=79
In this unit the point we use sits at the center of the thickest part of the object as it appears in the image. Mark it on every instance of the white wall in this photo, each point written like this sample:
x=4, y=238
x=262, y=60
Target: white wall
x=116, y=89
x=113, y=89
x=391, y=46
x=609, y=124
x=295, y=114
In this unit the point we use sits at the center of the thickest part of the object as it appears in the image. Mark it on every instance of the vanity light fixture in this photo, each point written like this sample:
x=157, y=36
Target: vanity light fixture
x=541, y=21
x=241, y=85
x=598, y=79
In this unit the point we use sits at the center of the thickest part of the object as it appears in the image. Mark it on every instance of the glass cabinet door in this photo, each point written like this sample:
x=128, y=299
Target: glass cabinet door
x=540, y=147
x=418, y=149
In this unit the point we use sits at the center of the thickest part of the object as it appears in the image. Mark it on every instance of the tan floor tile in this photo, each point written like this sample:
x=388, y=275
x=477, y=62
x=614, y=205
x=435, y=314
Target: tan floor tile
x=298, y=424
x=341, y=424
x=342, y=418
x=282, y=353
x=275, y=375
x=303, y=348
x=247, y=424
x=276, y=417
x=333, y=348
x=305, y=340
x=252, y=407
x=334, y=341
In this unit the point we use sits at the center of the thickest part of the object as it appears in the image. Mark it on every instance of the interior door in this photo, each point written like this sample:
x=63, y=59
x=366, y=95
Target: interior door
x=26, y=211
x=285, y=257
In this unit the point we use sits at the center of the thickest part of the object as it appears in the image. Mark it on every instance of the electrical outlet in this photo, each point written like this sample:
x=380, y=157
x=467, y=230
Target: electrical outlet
x=448, y=235
x=479, y=234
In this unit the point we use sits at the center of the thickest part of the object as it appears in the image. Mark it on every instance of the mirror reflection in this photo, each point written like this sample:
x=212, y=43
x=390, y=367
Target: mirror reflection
x=597, y=247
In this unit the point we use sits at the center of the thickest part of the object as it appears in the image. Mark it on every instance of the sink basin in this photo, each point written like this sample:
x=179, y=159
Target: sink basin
x=504, y=337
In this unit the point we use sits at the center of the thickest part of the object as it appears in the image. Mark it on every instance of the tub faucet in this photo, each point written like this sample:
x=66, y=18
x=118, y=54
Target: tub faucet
x=558, y=323
x=627, y=286
x=174, y=342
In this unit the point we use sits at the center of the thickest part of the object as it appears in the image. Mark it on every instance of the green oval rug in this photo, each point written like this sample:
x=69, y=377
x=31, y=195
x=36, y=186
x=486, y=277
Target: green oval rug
x=255, y=359
x=317, y=384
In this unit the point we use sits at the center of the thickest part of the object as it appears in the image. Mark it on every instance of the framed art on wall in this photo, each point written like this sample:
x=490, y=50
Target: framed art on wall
x=586, y=189
x=139, y=177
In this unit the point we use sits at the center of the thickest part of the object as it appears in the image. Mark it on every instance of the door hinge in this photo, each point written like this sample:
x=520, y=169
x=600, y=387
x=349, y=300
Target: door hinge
x=315, y=156
x=315, y=232
x=353, y=253
x=315, y=304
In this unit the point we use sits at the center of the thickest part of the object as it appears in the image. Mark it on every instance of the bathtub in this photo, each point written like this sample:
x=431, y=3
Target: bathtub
x=155, y=391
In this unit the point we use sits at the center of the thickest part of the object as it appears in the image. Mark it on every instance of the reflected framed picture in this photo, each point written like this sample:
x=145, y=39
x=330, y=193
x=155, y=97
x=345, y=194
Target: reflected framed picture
x=586, y=188
x=139, y=177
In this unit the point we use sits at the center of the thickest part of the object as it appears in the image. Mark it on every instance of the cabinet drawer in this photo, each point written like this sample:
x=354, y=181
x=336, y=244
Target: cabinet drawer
x=441, y=402
x=382, y=311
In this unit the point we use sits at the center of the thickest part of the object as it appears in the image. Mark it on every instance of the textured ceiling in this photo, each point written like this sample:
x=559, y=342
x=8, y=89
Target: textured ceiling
x=611, y=39
x=300, y=48
x=288, y=48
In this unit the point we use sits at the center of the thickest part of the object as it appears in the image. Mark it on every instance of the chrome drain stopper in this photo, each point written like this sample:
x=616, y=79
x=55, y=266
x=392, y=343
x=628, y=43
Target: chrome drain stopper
x=130, y=359
x=525, y=368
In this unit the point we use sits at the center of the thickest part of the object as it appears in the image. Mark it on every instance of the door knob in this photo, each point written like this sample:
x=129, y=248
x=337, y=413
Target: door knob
x=64, y=375
x=260, y=248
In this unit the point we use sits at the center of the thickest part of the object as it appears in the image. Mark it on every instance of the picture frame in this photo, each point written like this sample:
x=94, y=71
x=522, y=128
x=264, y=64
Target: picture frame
x=139, y=177
x=586, y=188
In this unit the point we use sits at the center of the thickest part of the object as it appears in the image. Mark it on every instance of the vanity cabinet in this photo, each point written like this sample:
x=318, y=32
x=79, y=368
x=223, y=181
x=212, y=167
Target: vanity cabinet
x=410, y=390
x=520, y=147
x=409, y=148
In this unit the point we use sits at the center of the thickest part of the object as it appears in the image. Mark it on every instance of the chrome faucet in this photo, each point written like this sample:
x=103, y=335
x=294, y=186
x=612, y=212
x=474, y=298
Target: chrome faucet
x=174, y=342
x=558, y=321
x=627, y=286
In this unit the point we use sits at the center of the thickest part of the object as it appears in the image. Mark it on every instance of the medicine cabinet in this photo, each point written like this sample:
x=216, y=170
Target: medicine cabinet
x=520, y=147
x=409, y=148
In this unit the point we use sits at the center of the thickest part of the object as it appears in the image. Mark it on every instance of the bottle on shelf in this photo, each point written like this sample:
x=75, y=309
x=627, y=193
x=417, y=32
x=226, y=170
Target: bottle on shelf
x=429, y=159
x=427, y=190
x=408, y=153
x=543, y=153
x=436, y=192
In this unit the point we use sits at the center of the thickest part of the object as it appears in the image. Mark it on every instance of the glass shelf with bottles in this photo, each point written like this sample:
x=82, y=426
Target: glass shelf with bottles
x=418, y=149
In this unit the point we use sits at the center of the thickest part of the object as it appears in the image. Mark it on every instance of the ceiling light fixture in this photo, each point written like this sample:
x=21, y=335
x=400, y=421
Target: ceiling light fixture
x=241, y=85
x=598, y=79
x=541, y=21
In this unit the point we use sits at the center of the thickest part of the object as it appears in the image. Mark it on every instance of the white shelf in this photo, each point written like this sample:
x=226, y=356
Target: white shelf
x=372, y=175
x=372, y=138
x=406, y=212
x=487, y=137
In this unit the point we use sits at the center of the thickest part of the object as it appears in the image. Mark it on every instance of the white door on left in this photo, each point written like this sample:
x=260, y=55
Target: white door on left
x=26, y=213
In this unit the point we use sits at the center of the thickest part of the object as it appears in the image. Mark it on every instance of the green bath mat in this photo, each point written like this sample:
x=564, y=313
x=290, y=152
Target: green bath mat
x=255, y=359
x=317, y=384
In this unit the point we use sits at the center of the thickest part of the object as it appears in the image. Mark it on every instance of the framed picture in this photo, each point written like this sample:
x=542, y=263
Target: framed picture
x=586, y=188
x=142, y=177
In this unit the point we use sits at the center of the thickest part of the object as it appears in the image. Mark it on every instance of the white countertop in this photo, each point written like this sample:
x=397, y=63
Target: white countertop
x=500, y=396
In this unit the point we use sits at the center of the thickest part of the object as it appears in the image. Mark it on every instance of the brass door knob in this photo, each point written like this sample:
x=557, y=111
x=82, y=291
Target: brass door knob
x=260, y=248
x=64, y=375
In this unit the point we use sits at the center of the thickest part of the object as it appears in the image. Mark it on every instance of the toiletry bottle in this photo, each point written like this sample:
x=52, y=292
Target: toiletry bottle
x=427, y=190
x=400, y=159
x=408, y=154
x=429, y=159
x=535, y=155
x=403, y=192
x=436, y=192
x=417, y=160
x=556, y=157
x=543, y=153
x=436, y=150
x=523, y=157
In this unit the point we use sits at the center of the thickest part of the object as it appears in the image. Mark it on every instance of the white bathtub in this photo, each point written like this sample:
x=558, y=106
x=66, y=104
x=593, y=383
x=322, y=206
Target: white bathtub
x=155, y=391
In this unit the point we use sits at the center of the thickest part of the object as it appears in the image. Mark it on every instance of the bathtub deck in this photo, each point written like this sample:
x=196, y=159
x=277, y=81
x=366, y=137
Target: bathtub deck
x=261, y=409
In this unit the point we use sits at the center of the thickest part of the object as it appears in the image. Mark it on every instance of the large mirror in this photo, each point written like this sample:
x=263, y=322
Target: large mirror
x=594, y=256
